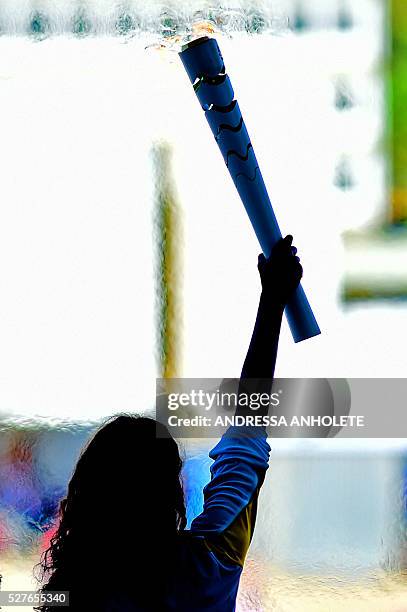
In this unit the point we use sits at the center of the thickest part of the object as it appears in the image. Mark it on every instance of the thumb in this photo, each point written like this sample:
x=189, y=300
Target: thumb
x=261, y=259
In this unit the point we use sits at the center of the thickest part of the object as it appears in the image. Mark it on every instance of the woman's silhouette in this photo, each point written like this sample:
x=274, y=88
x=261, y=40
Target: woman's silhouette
x=122, y=544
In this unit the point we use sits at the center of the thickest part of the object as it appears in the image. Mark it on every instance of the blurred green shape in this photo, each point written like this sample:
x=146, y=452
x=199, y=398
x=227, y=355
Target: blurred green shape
x=168, y=230
x=125, y=23
x=398, y=108
x=343, y=95
x=343, y=176
x=255, y=23
x=39, y=25
x=299, y=22
x=81, y=24
x=170, y=24
x=345, y=21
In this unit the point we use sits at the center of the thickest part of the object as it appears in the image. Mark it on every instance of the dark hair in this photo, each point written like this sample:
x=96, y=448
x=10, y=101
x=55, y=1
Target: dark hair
x=119, y=522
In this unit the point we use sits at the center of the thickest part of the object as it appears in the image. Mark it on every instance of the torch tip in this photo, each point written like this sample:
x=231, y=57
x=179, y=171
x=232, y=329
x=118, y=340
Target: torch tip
x=194, y=43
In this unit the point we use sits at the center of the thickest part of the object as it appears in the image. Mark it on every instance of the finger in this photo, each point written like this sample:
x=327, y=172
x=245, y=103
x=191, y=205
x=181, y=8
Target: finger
x=261, y=262
x=286, y=245
x=294, y=250
x=282, y=246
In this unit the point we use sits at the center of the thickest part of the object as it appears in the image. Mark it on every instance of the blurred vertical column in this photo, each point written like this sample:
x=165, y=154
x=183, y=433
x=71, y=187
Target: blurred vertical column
x=169, y=241
x=398, y=108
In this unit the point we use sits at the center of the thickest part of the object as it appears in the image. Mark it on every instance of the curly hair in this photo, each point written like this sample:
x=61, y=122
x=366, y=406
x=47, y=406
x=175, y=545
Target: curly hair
x=120, y=520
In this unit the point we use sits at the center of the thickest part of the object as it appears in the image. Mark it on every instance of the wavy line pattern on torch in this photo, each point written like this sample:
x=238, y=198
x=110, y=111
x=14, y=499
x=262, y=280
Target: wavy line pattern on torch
x=230, y=128
x=219, y=79
x=248, y=177
x=224, y=109
x=239, y=155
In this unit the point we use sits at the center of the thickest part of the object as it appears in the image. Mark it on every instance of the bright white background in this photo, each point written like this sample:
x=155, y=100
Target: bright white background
x=76, y=245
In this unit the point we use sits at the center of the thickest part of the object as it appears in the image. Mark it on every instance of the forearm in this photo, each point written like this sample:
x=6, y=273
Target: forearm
x=261, y=356
x=259, y=365
x=280, y=275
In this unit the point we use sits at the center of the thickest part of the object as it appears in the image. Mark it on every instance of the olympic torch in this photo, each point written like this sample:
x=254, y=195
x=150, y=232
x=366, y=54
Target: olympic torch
x=204, y=64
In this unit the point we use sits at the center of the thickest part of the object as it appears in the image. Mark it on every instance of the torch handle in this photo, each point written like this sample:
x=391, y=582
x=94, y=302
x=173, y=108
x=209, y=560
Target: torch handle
x=254, y=196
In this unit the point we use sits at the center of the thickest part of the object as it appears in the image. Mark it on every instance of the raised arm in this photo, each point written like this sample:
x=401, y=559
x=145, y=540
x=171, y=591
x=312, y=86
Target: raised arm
x=240, y=462
x=280, y=276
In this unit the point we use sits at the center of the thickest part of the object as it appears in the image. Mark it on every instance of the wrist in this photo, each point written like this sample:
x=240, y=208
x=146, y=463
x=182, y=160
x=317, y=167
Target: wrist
x=273, y=300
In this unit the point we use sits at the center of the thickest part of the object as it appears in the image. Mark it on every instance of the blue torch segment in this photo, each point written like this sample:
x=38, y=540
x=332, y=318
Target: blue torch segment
x=214, y=91
x=227, y=142
x=202, y=57
x=204, y=64
x=221, y=120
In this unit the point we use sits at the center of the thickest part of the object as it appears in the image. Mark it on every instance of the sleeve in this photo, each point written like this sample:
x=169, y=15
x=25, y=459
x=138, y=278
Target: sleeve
x=230, y=498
